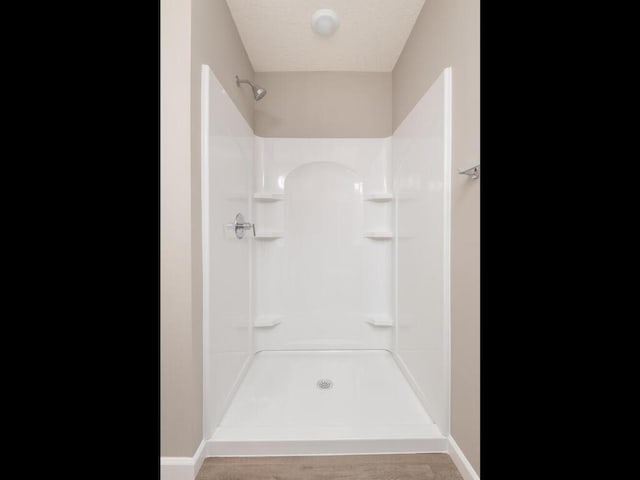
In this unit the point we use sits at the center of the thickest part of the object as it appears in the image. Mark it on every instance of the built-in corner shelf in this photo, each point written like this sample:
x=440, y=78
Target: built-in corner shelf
x=378, y=235
x=266, y=321
x=268, y=196
x=379, y=197
x=379, y=320
x=268, y=235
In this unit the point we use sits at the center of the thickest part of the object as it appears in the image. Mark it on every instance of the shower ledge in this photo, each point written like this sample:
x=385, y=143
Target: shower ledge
x=379, y=197
x=379, y=320
x=378, y=235
x=268, y=196
x=268, y=235
x=266, y=321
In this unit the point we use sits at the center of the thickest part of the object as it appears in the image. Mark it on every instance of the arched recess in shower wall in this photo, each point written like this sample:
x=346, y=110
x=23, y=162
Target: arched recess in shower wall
x=312, y=277
x=327, y=331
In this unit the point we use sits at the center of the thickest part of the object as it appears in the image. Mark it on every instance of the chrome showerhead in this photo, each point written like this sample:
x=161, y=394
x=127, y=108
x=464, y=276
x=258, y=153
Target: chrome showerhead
x=258, y=91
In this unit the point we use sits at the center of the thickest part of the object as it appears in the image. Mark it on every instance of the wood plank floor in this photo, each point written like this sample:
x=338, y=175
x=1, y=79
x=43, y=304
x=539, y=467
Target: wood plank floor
x=419, y=466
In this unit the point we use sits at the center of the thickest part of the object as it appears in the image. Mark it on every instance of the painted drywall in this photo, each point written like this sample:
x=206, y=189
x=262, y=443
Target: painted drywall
x=370, y=37
x=447, y=33
x=215, y=42
x=324, y=104
x=193, y=32
x=180, y=387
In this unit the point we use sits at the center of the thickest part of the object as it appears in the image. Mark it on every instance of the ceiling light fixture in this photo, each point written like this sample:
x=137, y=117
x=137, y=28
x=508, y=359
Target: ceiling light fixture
x=324, y=22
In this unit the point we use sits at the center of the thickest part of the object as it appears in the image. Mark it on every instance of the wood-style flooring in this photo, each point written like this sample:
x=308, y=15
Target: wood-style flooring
x=419, y=466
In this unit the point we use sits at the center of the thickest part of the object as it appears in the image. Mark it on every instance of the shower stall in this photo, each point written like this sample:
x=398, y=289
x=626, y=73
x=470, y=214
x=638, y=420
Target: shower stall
x=326, y=285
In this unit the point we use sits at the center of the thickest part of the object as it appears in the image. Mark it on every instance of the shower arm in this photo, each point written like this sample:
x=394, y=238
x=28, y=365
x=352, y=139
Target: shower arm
x=239, y=81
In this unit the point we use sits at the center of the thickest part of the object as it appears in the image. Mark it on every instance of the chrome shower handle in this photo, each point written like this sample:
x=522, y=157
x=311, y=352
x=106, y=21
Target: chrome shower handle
x=239, y=225
x=247, y=226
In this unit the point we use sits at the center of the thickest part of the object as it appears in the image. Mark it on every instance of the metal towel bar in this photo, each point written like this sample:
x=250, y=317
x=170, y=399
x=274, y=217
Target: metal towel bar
x=473, y=172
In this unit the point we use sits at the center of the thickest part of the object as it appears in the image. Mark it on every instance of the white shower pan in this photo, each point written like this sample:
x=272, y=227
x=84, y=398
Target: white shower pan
x=279, y=408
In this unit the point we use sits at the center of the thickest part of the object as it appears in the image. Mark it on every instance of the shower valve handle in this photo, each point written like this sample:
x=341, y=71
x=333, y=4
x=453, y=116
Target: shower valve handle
x=247, y=226
x=239, y=225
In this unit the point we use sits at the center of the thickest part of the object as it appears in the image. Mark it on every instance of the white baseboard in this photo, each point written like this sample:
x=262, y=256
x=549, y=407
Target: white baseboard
x=460, y=461
x=182, y=468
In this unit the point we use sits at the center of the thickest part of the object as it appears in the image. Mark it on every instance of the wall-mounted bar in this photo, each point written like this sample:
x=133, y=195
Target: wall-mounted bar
x=473, y=172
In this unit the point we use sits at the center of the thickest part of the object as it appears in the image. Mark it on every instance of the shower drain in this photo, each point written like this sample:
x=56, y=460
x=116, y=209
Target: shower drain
x=324, y=383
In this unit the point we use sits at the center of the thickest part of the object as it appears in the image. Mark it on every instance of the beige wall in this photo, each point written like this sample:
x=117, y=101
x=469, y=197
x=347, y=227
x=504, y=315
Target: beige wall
x=193, y=32
x=324, y=104
x=215, y=41
x=180, y=421
x=447, y=33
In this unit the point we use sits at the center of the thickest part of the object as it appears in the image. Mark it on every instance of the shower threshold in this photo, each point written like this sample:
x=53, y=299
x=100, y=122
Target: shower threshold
x=325, y=402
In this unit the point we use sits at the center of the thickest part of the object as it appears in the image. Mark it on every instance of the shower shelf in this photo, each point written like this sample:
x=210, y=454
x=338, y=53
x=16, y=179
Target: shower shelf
x=378, y=235
x=379, y=320
x=268, y=235
x=379, y=197
x=268, y=197
x=266, y=321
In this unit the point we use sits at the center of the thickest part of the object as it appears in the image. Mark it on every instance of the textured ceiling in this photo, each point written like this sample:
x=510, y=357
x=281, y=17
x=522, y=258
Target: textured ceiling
x=278, y=37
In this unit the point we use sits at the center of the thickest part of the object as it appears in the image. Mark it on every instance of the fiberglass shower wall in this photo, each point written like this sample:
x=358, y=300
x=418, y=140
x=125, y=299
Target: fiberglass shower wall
x=227, y=152
x=323, y=273
x=351, y=249
x=422, y=184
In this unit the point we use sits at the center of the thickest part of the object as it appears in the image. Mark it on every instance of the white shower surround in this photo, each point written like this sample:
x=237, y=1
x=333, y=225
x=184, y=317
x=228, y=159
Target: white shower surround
x=423, y=230
x=225, y=190
x=323, y=278
x=243, y=291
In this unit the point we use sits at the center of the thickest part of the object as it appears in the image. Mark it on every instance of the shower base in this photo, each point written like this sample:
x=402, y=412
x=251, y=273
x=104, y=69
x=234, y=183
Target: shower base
x=325, y=402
